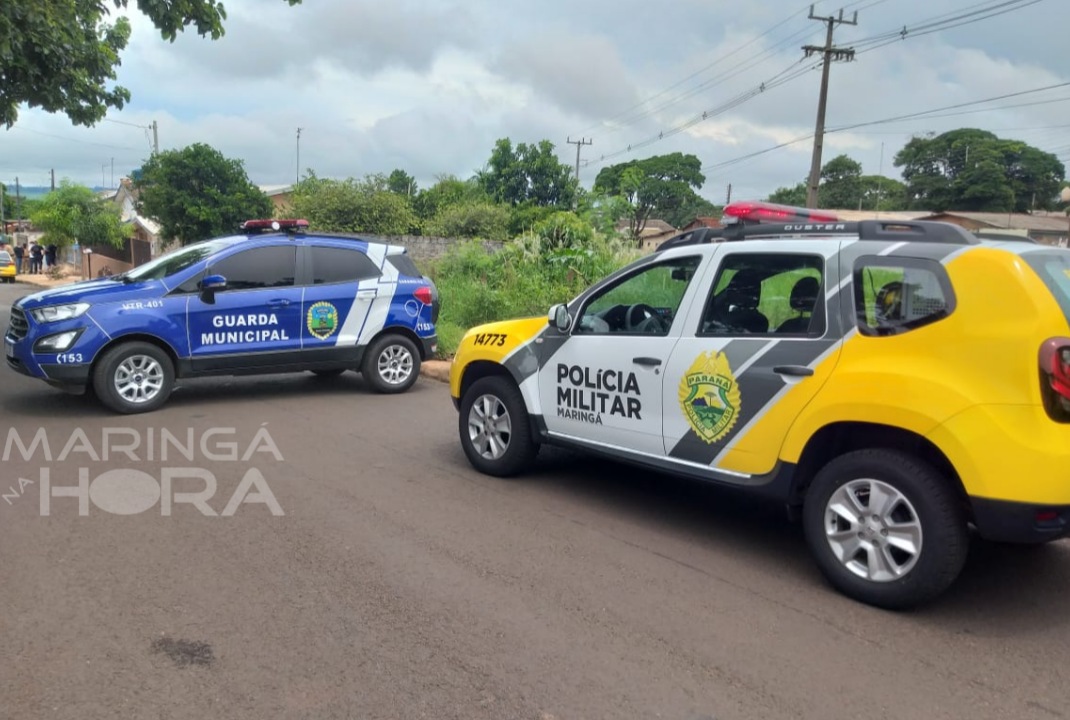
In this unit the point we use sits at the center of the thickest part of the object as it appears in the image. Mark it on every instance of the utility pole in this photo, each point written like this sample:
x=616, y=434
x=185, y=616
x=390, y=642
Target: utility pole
x=829, y=53
x=112, y=172
x=155, y=139
x=728, y=199
x=18, y=200
x=53, y=179
x=299, y=154
x=579, y=145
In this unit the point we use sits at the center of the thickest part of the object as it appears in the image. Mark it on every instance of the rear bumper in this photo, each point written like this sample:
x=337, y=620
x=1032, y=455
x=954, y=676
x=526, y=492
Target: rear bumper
x=1025, y=523
x=428, y=347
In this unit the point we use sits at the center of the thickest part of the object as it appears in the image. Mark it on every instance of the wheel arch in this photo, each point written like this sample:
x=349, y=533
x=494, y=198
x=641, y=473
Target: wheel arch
x=139, y=337
x=839, y=438
x=406, y=333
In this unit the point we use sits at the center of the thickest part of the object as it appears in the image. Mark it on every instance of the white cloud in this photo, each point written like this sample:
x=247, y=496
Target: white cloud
x=429, y=86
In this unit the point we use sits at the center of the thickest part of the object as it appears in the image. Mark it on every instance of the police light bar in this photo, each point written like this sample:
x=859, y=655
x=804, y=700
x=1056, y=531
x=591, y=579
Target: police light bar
x=263, y=225
x=759, y=212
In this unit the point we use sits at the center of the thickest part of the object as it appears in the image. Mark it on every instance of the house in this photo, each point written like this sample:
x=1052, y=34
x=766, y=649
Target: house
x=143, y=245
x=281, y=197
x=654, y=233
x=701, y=222
x=1044, y=228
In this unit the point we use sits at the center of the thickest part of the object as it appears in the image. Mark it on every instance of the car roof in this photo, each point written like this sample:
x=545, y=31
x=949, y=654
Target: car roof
x=311, y=237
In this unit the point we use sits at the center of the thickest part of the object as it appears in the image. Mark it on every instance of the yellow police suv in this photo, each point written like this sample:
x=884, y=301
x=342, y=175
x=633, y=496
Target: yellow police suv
x=895, y=383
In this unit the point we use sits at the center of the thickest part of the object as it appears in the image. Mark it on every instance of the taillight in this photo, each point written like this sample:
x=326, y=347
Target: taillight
x=423, y=294
x=1055, y=378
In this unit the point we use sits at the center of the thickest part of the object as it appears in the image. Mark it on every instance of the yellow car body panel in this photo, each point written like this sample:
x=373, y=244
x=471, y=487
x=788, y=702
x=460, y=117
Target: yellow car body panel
x=493, y=342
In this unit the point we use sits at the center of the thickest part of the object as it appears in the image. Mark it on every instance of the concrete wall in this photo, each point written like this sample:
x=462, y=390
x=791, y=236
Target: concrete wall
x=428, y=248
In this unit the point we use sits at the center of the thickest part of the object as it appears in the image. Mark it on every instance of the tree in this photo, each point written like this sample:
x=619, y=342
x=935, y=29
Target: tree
x=881, y=193
x=528, y=174
x=352, y=206
x=794, y=196
x=402, y=183
x=75, y=214
x=196, y=193
x=970, y=169
x=840, y=186
x=661, y=184
x=60, y=56
x=447, y=190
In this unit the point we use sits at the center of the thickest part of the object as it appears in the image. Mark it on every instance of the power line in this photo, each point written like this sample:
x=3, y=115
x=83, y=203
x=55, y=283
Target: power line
x=732, y=53
x=750, y=156
x=71, y=139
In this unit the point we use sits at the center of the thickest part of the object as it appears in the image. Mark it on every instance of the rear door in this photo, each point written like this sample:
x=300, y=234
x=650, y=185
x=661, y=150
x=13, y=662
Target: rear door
x=765, y=340
x=343, y=283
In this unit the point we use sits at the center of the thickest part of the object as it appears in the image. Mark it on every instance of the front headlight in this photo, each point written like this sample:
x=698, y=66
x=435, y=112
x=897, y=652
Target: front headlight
x=55, y=313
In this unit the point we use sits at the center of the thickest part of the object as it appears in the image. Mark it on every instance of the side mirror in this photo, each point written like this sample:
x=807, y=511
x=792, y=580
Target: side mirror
x=209, y=285
x=559, y=317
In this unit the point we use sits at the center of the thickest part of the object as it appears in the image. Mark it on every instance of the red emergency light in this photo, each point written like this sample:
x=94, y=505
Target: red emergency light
x=262, y=225
x=759, y=212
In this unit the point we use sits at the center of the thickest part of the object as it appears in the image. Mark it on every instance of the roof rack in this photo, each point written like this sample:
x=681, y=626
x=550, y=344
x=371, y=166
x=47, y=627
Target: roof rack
x=880, y=230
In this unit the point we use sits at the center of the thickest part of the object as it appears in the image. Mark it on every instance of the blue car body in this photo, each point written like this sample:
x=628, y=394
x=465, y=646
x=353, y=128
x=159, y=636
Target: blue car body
x=280, y=302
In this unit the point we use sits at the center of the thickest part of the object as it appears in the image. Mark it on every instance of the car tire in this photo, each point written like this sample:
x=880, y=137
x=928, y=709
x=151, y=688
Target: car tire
x=134, y=377
x=391, y=364
x=901, y=554
x=495, y=428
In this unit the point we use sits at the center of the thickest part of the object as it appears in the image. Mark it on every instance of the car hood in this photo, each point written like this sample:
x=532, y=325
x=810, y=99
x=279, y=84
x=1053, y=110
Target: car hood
x=93, y=291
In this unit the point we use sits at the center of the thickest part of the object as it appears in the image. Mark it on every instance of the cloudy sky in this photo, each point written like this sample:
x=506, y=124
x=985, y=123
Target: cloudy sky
x=428, y=86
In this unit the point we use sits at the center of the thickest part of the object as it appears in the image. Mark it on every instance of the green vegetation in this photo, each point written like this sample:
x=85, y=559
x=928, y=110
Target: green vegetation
x=62, y=56
x=73, y=213
x=522, y=280
x=196, y=193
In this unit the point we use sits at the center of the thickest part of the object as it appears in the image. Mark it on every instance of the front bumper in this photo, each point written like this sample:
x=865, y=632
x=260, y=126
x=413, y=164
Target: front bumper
x=69, y=370
x=1023, y=523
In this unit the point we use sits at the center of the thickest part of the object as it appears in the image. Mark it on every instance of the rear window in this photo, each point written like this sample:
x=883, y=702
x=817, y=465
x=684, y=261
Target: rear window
x=4, y=257
x=404, y=265
x=896, y=295
x=1054, y=269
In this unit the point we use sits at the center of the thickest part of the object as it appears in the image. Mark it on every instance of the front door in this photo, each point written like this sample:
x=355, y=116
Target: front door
x=255, y=322
x=766, y=341
x=604, y=385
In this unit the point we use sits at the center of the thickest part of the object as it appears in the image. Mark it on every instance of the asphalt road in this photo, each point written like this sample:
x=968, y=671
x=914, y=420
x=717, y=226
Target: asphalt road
x=390, y=580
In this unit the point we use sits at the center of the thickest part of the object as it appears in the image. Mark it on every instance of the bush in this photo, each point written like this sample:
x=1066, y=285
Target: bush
x=471, y=220
x=523, y=279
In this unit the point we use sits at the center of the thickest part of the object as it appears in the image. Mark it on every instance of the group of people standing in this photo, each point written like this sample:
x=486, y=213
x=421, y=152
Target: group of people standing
x=33, y=259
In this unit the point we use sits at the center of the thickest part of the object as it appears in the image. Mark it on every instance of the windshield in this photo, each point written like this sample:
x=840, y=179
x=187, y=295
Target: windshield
x=177, y=260
x=1054, y=269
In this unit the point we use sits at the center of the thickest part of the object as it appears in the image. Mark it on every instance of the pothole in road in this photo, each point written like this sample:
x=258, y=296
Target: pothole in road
x=184, y=653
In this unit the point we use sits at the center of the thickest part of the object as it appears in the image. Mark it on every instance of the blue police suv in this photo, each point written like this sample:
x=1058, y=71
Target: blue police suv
x=275, y=298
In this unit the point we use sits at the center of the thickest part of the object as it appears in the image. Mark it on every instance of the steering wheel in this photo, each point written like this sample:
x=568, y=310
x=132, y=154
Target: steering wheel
x=647, y=317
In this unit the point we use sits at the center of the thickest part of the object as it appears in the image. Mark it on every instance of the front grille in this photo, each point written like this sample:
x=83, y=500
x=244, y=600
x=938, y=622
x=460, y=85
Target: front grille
x=18, y=328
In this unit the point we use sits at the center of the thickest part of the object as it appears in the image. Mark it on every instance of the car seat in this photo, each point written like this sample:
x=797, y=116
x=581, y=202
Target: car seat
x=803, y=301
x=742, y=296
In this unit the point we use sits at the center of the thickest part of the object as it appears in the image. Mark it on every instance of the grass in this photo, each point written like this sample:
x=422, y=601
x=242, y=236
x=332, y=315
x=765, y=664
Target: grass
x=524, y=279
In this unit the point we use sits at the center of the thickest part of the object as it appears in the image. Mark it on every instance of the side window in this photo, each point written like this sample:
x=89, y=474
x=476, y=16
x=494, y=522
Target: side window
x=766, y=294
x=263, y=267
x=896, y=295
x=644, y=303
x=335, y=265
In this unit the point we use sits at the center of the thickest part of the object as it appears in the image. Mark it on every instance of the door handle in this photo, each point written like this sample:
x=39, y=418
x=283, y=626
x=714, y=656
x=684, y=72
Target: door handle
x=793, y=370
x=278, y=303
x=367, y=293
x=646, y=361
